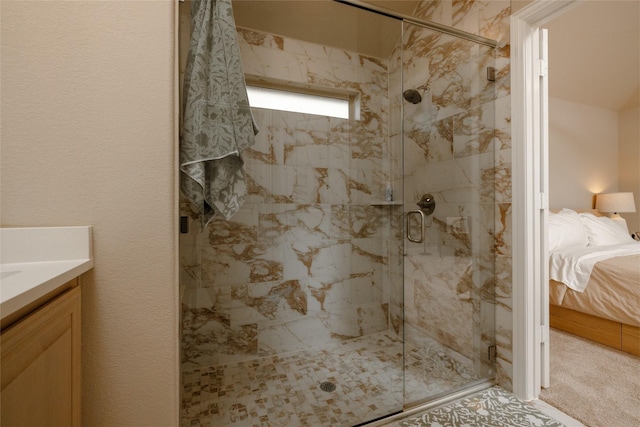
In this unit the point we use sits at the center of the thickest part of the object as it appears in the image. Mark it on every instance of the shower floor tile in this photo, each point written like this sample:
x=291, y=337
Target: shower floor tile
x=285, y=390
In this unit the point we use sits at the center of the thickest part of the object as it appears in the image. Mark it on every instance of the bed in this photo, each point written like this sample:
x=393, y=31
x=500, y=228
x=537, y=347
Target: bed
x=594, y=286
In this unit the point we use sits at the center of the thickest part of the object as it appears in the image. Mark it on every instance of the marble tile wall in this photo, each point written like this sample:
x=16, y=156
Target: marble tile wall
x=305, y=262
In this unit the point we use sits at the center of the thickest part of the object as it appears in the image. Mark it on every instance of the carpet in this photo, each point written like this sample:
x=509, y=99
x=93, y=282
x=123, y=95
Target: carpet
x=594, y=384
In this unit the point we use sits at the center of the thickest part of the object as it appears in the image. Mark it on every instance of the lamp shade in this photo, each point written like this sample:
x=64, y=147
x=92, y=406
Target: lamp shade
x=615, y=202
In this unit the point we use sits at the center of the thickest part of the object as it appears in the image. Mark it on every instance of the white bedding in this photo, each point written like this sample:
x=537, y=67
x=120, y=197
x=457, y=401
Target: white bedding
x=572, y=266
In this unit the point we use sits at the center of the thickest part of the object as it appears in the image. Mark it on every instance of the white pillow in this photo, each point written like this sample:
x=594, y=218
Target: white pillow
x=566, y=230
x=603, y=231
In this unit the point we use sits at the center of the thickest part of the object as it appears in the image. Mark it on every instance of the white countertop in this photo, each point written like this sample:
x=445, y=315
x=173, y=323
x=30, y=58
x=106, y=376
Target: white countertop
x=35, y=261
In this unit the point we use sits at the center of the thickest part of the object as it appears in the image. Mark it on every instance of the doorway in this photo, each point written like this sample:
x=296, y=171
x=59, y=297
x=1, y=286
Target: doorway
x=530, y=196
x=532, y=178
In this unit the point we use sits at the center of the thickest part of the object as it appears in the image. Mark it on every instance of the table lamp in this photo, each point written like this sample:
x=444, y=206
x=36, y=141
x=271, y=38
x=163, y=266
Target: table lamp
x=614, y=203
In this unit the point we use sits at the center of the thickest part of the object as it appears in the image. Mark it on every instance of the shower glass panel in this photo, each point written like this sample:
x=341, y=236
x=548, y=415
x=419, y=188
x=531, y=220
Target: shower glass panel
x=448, y=140
x=292, y=309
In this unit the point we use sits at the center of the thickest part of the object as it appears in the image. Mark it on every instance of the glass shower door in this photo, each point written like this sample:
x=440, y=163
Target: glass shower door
x=448, y=142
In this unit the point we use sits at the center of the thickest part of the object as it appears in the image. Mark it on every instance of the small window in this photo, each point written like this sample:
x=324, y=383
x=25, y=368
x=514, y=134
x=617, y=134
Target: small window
x=299, y=102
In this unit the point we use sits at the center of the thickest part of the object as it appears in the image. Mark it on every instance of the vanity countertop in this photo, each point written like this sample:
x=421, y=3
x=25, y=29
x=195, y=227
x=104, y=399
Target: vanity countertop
x=36, y=261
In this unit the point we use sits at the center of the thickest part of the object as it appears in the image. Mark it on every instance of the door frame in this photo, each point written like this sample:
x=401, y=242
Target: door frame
x=529, y=199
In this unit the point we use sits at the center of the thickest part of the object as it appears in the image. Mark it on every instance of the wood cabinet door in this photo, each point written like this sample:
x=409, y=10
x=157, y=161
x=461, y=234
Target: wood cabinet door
x=40, y=370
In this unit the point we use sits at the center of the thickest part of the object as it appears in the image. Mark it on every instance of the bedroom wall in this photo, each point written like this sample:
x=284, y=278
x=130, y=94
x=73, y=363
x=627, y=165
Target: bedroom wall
x=583, y=153
x=629, y=161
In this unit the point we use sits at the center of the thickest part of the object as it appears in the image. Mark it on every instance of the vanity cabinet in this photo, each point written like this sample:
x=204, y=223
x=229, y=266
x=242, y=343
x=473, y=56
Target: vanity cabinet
x=40, y=364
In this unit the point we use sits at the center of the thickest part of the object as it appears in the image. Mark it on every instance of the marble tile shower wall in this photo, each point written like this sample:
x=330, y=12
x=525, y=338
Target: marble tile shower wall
x=489, y=158
x=304, y=263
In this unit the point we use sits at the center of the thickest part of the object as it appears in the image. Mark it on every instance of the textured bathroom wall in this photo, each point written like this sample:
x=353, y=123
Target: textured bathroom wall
x=88, y=138
x=305, y=262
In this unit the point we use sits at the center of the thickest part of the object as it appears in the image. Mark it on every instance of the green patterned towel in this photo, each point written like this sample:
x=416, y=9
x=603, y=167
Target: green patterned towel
x=217, y=121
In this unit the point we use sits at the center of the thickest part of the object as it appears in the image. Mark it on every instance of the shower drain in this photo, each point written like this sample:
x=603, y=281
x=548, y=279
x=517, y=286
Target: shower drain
x=327, y=386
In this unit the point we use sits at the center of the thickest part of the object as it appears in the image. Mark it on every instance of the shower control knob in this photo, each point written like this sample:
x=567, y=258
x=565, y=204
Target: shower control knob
x=427, y=204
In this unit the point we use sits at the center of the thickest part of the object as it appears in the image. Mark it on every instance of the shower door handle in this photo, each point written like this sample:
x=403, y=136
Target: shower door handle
x=409, y=236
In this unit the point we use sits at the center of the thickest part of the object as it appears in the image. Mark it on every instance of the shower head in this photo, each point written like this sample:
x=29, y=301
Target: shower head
x=413, y=95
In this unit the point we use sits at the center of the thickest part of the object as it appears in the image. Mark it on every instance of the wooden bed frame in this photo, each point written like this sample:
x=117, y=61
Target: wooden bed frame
x=607, y=332
x=603, y=331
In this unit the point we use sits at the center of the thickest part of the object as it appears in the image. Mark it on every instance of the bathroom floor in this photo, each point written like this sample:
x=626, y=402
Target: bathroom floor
x=285, y=390
x=492, y=407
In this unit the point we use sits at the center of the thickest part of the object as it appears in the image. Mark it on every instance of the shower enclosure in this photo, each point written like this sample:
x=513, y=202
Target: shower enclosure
x=311, y=306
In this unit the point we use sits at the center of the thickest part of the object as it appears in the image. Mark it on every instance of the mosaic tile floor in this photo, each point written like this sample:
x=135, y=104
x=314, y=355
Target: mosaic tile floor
x=285, y=390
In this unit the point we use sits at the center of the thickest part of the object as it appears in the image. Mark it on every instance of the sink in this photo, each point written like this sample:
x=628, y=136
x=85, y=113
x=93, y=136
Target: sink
x=39, y=261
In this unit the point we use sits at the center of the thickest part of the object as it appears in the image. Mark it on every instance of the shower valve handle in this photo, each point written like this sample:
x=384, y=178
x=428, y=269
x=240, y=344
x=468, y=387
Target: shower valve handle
x=427, y=204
